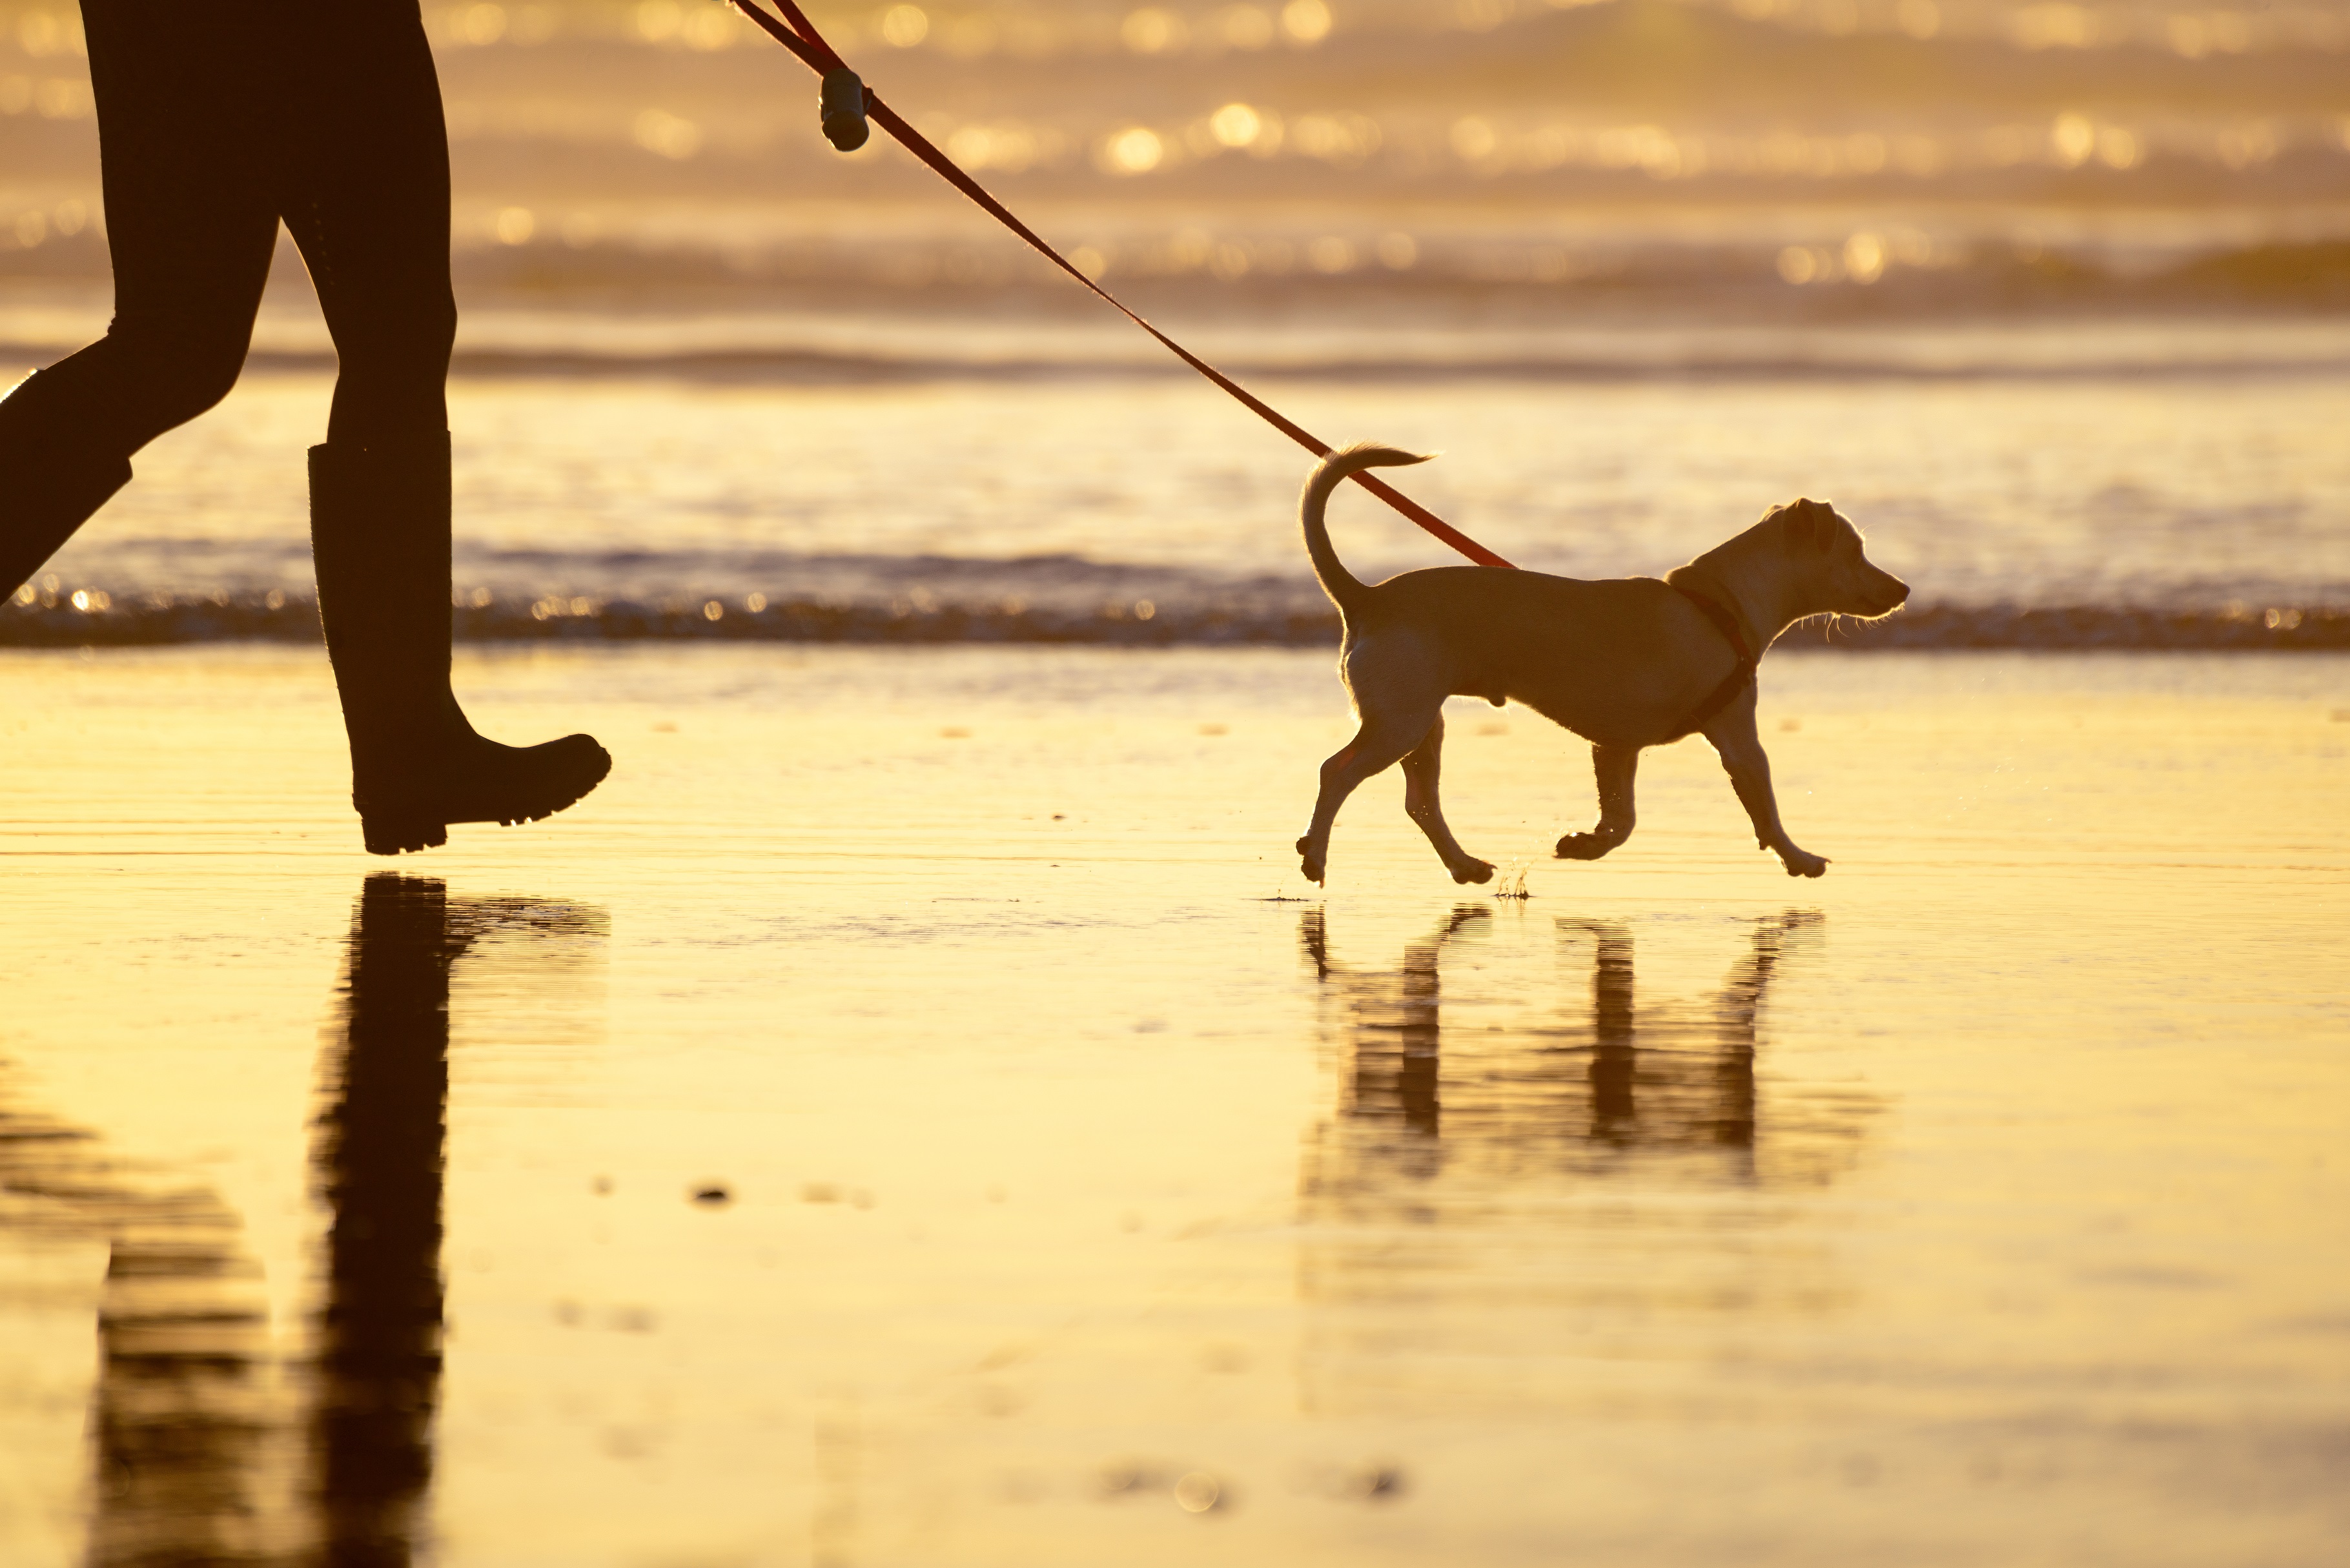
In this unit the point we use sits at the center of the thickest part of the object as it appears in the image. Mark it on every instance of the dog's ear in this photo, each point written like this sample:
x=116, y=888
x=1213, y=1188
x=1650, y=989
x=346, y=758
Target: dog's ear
x=1810, y=525
x=1800, y=524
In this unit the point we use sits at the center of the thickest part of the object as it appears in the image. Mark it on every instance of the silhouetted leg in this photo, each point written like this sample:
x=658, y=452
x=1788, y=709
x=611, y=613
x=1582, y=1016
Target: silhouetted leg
x=1421, y=766
x=53, y=478
x=367, y=195
x=1378, y=745
x=1733, y=736
x=185, y=139
x=1614, y=766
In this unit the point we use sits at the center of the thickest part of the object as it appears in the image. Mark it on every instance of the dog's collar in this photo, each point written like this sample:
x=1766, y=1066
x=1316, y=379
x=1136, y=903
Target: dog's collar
x=1738, y=679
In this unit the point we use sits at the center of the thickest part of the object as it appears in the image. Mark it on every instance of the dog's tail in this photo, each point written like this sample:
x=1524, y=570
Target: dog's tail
x=1346, y=590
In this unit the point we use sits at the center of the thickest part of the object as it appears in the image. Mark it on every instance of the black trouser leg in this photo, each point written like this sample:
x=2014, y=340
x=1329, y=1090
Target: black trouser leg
x=183, y=123
x=365, y=193
x=215, y=121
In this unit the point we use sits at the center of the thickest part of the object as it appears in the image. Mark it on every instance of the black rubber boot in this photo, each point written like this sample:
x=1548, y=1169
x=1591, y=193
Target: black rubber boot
x=379, y=532
x=50, y=482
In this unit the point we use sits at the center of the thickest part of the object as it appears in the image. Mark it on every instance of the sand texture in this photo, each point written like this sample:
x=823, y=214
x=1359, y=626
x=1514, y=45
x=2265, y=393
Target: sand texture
x=916, y=1114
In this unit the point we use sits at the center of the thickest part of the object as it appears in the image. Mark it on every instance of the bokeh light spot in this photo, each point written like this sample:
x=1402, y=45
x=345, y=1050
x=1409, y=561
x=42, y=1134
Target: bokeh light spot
x=1135, y=151
x=1305, y=21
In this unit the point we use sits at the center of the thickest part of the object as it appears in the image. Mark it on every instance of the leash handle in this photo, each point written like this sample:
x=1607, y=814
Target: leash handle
x=799, y=34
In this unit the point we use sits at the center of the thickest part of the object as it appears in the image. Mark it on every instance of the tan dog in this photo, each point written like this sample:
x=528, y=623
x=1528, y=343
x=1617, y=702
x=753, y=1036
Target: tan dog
x=1626, y=663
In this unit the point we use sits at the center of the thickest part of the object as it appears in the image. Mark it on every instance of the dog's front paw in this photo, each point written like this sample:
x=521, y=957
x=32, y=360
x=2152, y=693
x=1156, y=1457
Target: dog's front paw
x=1799, y=864
x=1310, y=863
x=1473, y=871
x=1583, y=846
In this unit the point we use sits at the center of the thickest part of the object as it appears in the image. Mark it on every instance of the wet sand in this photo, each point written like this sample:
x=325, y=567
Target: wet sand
x=1078, y=1186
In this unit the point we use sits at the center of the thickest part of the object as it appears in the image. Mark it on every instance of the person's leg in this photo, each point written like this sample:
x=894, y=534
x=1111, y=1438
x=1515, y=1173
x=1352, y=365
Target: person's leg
x=365, y=173
x=366, y=193
x=190, y=222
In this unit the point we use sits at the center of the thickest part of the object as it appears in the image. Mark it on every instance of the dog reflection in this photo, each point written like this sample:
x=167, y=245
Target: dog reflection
x=1590, y=1089
x=1508, y=1190
x=209, y=1448
x=1697, y=1083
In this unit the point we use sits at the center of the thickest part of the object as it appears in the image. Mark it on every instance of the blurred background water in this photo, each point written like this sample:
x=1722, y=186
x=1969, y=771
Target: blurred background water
x=2050, y=298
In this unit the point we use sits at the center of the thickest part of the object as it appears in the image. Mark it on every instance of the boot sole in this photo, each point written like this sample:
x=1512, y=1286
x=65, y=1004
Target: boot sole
x=398, y=832
x=402, y=835
x=411, y=835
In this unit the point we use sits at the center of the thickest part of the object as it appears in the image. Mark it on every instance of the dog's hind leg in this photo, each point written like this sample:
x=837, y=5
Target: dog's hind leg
x=1733, y=736
x=1421, y=765
x=1614, y=766
x=1378, y=745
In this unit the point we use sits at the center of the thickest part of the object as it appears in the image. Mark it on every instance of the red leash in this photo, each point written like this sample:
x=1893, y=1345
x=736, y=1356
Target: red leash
x=803, y=40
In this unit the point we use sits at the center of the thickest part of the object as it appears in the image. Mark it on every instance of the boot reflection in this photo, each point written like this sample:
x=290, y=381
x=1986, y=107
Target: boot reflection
x=185, y=1411
x=200, y=1421
x=188, y=1441
x=378, y=1159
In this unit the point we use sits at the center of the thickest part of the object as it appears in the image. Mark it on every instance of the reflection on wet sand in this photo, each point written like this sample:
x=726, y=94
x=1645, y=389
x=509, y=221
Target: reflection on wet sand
x=1663, y=1087
x=188, y=1434
x=1515, y=1183
x=378, y=1159
x=209, y=1450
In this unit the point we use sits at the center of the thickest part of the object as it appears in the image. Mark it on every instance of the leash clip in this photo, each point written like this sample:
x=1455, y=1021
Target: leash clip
x=841, y=103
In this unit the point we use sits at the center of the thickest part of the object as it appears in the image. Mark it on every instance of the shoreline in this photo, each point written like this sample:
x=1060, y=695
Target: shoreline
x=95, y=619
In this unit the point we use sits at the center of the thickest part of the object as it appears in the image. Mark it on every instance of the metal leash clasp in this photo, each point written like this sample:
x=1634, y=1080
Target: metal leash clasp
x=841, y=103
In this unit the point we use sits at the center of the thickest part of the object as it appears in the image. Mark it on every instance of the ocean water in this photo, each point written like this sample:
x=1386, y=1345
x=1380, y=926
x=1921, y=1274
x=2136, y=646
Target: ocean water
x=2050, y=301
x=1089, y=498
x=1789, y=155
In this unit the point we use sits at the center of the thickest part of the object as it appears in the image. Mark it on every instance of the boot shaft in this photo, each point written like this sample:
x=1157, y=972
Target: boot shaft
x=54, y=476
x=380, y=536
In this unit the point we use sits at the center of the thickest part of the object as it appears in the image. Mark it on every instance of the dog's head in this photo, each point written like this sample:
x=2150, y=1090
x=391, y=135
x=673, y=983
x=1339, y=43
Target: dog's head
x=1824, y=551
